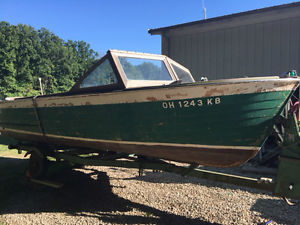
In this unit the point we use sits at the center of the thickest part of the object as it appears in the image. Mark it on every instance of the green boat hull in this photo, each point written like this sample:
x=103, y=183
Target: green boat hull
x=253, y=114
x=216, y=130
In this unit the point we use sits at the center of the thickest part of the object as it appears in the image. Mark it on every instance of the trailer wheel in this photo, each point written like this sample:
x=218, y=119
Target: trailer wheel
x=37, y=165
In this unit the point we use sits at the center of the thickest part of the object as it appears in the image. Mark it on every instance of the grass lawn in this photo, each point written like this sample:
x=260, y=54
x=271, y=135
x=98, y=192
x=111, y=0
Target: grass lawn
x=4, y=148
x=12, y=153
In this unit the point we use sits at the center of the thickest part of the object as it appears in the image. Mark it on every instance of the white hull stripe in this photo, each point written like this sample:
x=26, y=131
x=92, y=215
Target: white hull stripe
x=158, y=94
x=252, y=148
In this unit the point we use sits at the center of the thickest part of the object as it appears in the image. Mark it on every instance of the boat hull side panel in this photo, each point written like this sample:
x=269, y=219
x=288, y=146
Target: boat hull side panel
x=243, y=120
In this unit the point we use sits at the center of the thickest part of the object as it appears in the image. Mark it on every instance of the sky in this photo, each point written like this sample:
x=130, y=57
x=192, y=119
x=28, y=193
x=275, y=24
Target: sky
x=118, y=24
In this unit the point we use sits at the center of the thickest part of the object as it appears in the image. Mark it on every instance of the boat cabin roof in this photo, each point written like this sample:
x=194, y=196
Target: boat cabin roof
x=119, y=70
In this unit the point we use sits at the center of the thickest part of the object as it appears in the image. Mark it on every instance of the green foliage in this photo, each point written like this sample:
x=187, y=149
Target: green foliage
x=27, y=54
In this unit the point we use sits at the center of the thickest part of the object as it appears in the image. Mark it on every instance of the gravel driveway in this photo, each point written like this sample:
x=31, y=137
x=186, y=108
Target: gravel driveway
x=106, y=195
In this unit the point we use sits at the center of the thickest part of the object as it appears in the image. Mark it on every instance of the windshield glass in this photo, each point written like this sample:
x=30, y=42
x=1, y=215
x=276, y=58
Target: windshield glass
x=144, y=69
x=100, y=76
x=181, y=74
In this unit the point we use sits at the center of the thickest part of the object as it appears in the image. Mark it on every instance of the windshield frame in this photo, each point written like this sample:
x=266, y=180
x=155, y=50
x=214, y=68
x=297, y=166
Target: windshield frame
x=119, y=85
x=171, y=61
x=145, y=83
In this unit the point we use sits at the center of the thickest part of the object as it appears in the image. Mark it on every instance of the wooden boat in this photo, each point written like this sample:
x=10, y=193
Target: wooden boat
x=150, y=105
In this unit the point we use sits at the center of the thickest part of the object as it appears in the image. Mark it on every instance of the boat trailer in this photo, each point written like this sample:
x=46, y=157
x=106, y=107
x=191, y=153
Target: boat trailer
x=286, y=184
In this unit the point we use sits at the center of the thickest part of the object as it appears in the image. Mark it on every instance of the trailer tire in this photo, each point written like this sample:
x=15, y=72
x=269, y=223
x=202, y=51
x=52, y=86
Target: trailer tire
x=37, y=166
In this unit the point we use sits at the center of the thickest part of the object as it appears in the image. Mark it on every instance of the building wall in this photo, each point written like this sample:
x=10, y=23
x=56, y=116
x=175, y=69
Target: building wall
x=241, y=49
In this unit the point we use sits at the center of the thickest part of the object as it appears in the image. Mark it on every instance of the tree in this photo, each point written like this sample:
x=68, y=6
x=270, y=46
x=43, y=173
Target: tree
x=27, y=54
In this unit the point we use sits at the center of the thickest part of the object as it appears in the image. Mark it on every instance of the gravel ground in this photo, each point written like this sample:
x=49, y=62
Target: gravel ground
x=106, y=195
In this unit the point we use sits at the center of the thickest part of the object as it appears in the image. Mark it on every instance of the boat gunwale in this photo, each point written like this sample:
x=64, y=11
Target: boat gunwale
x=200, y=83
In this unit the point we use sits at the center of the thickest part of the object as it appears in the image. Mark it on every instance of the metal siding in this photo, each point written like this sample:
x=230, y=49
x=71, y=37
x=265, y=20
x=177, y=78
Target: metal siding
x=259, y=49
x=183, y=49
x=219, y=53
x=194, y=53
x=201, y=51
x=177, y=56
x=235, y=52
x=213, y=59
x=165, y=45
x=242, y=50
x=251, y=45
x=176, y=48
x=199, y=60
x=269, y=48
x=275, y=57
x=266, y=49
x=173, y=44
x=295, y=44
x=206, y=51
x=188, y=52
x=284, y=45
x=227, y=53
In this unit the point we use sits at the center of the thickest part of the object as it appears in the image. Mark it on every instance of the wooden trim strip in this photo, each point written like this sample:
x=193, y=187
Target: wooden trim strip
x=169, y=93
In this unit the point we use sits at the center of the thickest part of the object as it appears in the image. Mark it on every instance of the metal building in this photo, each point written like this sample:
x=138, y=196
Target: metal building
x=253, y=43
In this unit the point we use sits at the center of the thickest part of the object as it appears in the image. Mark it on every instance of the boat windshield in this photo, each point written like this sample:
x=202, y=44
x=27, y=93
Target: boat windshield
x=144, y=69
x=119, y=70
x=183, y=75
x=102, y=75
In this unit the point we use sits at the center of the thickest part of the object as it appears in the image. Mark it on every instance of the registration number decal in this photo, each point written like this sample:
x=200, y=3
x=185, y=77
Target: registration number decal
x=191, y=103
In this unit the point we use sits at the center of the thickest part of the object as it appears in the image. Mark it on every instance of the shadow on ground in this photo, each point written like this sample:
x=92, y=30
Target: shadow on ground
x=172, y=178
x=81, y=195
x=267, y=209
